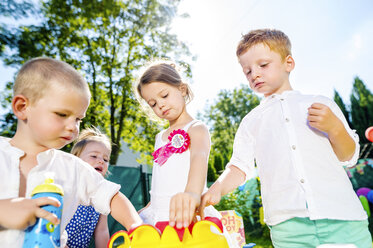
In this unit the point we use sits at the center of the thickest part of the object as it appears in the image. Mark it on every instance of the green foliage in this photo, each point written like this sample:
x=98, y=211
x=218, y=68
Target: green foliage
x=218, y=162
x=211, y=173
x=107, y=41
x=359, y=114
x=262, y=242
x=16, y=9
x=338, y=99
x=246, y=200
x=11, y=10
x=8, y=122
x=361, y=108
x=223, y=117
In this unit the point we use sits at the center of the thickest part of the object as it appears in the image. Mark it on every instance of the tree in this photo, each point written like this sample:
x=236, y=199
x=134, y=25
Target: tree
x=361, y=108
x=108, y=41
x=339, y=101
x=10, y=11
x=223, y=118
x=16, y=9
x=360, y=113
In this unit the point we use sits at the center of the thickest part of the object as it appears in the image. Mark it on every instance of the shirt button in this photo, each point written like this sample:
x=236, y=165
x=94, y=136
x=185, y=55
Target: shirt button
x=293, y=147
x=273, y=96
x=302, y=180
x=287, y=119
x=282, y=99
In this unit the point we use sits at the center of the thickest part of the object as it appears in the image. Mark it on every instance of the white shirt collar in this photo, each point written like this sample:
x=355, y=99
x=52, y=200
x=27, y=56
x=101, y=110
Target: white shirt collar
x=277, y=96
x=6, y=146
x=41, y=157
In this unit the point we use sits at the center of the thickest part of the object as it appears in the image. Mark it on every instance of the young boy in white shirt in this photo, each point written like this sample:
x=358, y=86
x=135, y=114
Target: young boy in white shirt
x=299, y=144
x=50, y=100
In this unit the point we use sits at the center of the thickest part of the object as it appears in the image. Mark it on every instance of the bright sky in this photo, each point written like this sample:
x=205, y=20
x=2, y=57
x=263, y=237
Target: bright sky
x=332, y=42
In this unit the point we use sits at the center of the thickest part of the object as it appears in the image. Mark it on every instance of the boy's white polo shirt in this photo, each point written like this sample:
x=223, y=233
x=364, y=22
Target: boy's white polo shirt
x=299, y=172
x=80, y=182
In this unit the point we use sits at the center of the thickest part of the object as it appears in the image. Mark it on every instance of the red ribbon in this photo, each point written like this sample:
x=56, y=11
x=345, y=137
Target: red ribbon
x=179, y=142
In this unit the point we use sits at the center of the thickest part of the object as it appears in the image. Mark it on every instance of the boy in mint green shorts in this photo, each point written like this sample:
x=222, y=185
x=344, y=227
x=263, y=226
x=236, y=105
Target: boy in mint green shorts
x=300, y=144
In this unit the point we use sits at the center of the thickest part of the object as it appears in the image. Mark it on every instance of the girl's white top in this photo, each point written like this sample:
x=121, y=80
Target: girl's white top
x=168, y=180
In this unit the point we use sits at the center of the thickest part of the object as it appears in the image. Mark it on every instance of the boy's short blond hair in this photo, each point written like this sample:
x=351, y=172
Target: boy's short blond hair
x=36, y=75
x=276, y=40
x=88, y=135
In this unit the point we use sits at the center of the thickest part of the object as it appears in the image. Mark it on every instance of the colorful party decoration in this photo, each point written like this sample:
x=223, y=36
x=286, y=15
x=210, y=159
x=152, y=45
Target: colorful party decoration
x=363, y=191
x=369, y=134
x=233, y=222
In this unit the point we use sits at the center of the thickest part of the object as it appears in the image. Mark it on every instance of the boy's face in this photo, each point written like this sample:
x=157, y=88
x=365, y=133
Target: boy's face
x=53, y=121
x=266, y=72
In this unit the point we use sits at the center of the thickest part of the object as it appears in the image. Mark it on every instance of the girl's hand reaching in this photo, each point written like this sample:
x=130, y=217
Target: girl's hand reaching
x=182, y=208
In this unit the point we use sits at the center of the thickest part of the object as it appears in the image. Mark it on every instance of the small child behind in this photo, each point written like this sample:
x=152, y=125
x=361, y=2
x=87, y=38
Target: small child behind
x=50, y=100
x=299, y=144
x=93, y=147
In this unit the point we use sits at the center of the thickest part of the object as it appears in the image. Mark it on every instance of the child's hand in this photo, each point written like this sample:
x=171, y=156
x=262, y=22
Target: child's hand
x=182, y=208
x=323, y=119
x=211, y=197
x=19, y=213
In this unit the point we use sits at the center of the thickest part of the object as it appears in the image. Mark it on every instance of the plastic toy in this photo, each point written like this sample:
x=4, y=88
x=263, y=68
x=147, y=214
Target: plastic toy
x=203, y=234
x=365, y=203
x=366, y=197
x=363, y=191
x=250, y=245
x=369, y=196
x=45, y=234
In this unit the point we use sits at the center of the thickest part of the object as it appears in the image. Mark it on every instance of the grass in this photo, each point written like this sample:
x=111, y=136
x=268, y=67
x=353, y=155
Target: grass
x=261, y=242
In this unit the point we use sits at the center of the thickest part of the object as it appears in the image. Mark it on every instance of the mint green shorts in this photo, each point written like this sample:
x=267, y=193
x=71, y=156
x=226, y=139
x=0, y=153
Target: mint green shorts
x=303, y=232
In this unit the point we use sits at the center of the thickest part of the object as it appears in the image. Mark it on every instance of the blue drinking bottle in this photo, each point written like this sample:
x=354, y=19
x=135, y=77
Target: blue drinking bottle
x=44, y=234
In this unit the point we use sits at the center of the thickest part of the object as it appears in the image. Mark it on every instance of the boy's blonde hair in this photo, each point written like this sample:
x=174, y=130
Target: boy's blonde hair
x=276, y=40
x=36, y=75
x=164, y=72
x=88, y=135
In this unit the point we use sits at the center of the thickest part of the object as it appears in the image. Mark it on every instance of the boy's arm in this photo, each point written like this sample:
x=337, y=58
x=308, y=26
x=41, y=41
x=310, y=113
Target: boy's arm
x=124, y=212
x=231, y=178
x=322, y=118
x=19, y=213
x=184, y=204
x=101, y=233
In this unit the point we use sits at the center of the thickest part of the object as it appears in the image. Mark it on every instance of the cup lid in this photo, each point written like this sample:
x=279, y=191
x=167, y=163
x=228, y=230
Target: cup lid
x=48, y=186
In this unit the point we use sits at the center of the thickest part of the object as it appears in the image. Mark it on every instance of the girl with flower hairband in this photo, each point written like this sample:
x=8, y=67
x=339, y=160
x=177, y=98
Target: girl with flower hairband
x=181, y=151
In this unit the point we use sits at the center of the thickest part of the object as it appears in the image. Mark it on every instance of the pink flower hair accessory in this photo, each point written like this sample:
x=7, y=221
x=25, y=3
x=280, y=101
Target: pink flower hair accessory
x=179, y=142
